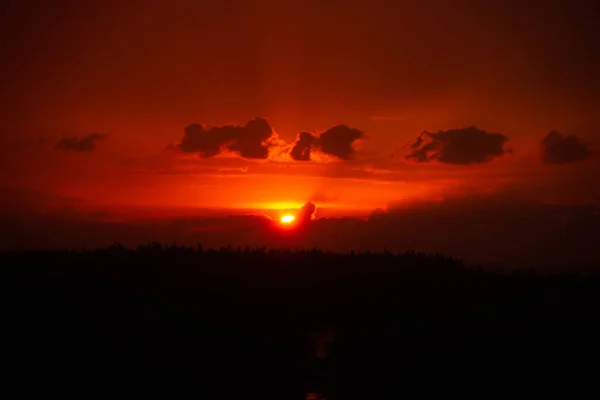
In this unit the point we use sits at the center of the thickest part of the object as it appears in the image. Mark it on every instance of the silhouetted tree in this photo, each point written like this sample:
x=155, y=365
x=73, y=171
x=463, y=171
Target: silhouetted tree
x=234, y=321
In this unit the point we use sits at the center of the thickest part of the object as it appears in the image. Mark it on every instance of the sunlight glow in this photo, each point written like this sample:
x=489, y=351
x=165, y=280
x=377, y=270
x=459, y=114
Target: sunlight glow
x=286, y=219
x=277, y=205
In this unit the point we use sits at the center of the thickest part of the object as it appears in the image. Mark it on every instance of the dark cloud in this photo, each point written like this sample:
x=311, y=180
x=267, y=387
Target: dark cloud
x=378, y=212
x=557, y=148
x=86, y=143
x=306, y=213
x=252, y=140
x=336, y=141
x=303, y=146
x=458, y=146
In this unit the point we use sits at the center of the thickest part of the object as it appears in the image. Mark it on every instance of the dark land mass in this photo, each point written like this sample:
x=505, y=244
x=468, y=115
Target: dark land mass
x=257, y=323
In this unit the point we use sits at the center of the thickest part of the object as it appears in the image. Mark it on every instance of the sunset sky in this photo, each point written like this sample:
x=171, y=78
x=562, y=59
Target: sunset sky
x=136, y=73
x=270, y=104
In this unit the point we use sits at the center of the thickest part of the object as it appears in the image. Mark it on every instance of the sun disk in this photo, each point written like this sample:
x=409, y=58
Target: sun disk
x=286, y=219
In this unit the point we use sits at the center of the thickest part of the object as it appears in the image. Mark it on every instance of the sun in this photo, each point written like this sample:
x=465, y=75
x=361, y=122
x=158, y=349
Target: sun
x=287, y=219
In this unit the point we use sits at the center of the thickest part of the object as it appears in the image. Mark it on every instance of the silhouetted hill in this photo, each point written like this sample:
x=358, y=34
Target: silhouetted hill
x=238, y=323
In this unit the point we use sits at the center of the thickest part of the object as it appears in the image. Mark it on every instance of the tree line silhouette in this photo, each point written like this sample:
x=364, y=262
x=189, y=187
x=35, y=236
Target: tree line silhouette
x=286, y=323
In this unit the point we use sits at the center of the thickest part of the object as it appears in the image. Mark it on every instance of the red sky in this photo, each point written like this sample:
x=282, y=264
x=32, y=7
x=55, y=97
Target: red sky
x=140, y=72
x=97, y=95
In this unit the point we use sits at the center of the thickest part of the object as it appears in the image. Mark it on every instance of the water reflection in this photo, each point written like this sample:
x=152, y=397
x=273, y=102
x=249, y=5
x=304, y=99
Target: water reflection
x=320, y=370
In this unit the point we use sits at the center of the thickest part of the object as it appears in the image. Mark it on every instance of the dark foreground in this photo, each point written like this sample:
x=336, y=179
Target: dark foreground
x=255, y=324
